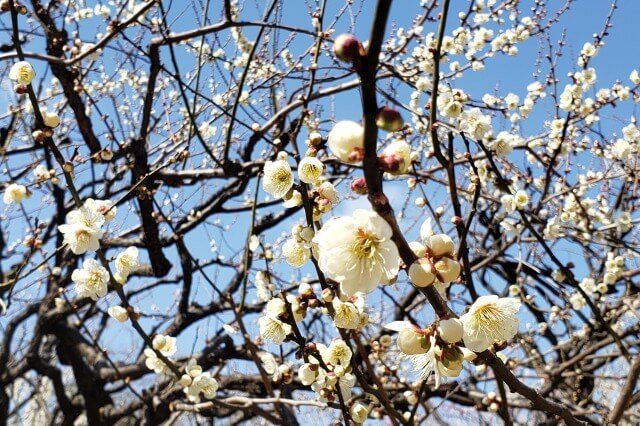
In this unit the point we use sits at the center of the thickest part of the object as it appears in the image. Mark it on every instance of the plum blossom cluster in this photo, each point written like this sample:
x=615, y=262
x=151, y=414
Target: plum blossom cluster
x=275, y=323
x=436, y=264
x=330, y=373
x=441, y=348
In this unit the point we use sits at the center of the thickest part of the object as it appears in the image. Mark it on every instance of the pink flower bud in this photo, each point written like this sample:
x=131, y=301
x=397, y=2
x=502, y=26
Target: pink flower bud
x=359, y=186
x=347, y=47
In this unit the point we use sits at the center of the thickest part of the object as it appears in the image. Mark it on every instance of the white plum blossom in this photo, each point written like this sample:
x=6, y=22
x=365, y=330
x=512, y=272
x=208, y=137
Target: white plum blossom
x=92, y=280
x=310, y=169
x=337, y=353
x=475, y=124
x=308, y=373
x=278, y=178
x=126, y=262
x=295, y=253
x=346, y=314
x=166, y=345
x=271, y=327
x=412, y=340
x=490, y=318
x=22, y=73
x=442, y=361
x=14, y=193
x=196, y=382
x=154, y=363
x=357, y=251
x=345, y=138
x=103, y=207
x=82, y=230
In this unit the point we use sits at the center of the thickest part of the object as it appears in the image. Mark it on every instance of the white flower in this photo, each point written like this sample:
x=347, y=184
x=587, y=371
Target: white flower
x=154, y=363
x=126, y=262
x=346, y=314
x=450, y=330
x=14, y=193
x=475, y=124
x=166, y=345
x=263, y=286
x=345, y=138
x=502, y=144
x=92, y=280
x=202, y=383
x=82, y=230
x=103, y=207
x=328, y=191
x=278, y=178
x=41, y=173
x=359, y=412
x=508, y=202
x=337, y=353
x=22, y=72
x=51, y=119
x=521, y=199
x=310, y=169
x=490, y=318
x=273, y=329
x=118, y=313
x=295, y=253
x=357, y=251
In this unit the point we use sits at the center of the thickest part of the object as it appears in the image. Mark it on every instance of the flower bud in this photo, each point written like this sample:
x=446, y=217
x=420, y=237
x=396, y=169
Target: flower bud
x=447, y=269
x=327, y=295
x=418, y=248
x=450, y=330
x=20, y=89
x=185, y=380
x=118, y=313
x=441, y=244
x=389, y=119
x=421, y=273
x=347, y=47
x=51, y=119
x=315, y=138
x=413, y=341
x=359, y=186
x=359, y=412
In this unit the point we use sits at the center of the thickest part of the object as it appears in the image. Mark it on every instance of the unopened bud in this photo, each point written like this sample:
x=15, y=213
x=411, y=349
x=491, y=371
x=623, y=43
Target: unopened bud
x=347, y=48
x=389, y=119
x=359, y=186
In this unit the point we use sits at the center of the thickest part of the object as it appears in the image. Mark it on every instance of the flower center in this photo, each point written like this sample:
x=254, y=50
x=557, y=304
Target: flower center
x=365, y=245
x=83, y=236
x=488, y=317
x=281, y=176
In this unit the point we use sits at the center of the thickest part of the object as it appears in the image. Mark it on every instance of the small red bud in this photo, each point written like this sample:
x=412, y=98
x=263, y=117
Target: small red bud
x=359, y=186
x=347, y=48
